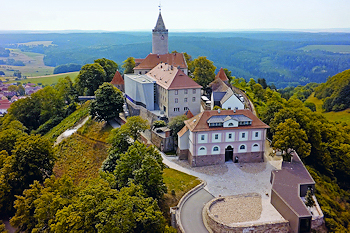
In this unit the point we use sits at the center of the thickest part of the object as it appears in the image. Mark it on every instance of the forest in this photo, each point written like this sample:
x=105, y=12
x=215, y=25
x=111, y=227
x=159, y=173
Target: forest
x=278, y=57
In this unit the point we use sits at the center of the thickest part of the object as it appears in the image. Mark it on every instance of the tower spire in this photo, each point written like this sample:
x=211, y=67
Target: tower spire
x=160, y=7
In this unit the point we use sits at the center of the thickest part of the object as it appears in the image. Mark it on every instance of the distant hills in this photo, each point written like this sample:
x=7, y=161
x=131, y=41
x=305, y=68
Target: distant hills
x=281, y=58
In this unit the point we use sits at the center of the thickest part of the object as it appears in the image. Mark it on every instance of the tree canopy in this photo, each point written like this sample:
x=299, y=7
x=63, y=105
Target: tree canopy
x=109, y=66
x=90, y=77
x=108, y=103
x=203, y=71
x=129, y=65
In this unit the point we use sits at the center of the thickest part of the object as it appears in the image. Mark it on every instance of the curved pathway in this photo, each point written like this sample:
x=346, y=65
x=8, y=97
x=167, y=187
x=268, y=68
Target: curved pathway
x=226, y=179
x=191, y=215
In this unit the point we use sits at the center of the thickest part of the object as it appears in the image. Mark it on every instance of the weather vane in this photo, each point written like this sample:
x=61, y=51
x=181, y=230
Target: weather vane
x=160, y=7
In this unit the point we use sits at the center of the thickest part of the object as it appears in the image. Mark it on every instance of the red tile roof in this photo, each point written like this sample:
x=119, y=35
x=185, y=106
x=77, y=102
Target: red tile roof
x=221, y=75
x=170, y=78
x=175, y=59
x=5, y=104
x=189, y=114
x=199, y=122
x=117, y=79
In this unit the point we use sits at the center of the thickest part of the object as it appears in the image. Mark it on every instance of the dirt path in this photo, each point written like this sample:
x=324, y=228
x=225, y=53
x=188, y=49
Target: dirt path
x=69, y=132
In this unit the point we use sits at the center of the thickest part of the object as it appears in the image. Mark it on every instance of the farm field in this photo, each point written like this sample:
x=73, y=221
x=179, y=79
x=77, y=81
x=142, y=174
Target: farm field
x=49, y=79
x=34, y=64
x=329, y=48
x=343, y=116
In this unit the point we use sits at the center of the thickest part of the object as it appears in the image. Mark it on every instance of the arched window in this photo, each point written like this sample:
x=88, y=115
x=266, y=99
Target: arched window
x=230, y=124
x=202, y=150
x=242, y=148
x=216, y=148
x=255, y=147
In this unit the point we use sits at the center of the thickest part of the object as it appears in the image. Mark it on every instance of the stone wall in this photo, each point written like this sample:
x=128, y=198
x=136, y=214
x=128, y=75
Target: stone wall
x=183, y=154
x=249, y=157
x=137, y=110
x=165, y=144
x=205, y=160
x=215, y=226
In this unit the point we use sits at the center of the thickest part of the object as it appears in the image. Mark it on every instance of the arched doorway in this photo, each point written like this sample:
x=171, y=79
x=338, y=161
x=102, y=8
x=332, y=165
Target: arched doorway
x=228, y=153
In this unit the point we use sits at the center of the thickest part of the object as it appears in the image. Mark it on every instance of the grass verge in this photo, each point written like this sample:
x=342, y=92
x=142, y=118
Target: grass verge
x=178, y=183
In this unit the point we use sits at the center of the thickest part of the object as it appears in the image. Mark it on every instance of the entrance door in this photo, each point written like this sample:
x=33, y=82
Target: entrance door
x=228, y=153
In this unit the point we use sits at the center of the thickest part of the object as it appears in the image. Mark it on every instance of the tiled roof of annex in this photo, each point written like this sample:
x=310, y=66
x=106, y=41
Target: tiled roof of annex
x=171, y=78
x=175, y=59
x=199, y=122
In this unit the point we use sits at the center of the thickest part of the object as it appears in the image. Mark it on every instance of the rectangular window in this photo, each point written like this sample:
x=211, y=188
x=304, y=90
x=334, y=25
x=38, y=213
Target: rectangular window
x=185, y=92
x=256, y=134
x=176, y=100
x=185, y=108
x=185, y=100
x=202, y=137
x=194, y=91
x=176, y=92
x=216, y=136
x=243, y=135
x=230, y=135
x=193, y=99
x=176, y=109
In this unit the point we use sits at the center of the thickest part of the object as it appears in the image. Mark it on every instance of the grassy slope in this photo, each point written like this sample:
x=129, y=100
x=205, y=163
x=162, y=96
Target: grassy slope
x=343, y=116
x=69, y=122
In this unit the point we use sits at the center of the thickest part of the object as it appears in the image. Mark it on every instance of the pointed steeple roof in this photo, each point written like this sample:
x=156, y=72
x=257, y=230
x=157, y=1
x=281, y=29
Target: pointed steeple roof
x=117, y=79
x=160, y=26
x=221, y=75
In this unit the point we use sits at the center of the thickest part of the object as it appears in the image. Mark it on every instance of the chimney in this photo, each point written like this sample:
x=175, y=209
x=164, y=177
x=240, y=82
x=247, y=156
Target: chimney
x=219, y=110
x=234, y=110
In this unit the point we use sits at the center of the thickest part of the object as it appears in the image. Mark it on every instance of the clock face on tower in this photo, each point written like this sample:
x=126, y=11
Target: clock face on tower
x=162, y=37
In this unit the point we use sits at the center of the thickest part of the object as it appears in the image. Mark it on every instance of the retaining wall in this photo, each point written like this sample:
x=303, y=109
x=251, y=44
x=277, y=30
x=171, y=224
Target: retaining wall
x=216, y=226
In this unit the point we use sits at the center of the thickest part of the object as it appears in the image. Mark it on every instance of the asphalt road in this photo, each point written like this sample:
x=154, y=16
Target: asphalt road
x=191, y=214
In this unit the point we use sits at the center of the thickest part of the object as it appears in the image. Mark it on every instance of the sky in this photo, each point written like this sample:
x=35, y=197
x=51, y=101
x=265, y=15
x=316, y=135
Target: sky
x=178, y=15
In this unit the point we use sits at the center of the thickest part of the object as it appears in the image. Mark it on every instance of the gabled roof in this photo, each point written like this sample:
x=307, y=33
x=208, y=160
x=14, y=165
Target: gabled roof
x=199, y=122
x=170, y=77
x=182, y=131
x=5, y=104
x=189, y=114
x=218, y=86
x=221, y=75
x=117, y=79
x=152, y=60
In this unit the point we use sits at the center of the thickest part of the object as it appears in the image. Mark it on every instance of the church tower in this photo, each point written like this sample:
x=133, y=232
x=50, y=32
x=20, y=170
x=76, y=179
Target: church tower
x=160, y=37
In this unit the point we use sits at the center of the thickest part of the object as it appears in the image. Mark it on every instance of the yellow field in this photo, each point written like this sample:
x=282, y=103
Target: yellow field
x=343, y=116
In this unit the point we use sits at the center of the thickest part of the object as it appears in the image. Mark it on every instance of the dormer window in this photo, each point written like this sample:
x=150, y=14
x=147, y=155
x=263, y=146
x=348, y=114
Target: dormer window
x=230, y=124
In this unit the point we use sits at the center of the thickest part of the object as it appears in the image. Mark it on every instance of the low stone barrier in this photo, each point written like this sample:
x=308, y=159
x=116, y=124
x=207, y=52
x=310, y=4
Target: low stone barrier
x=216, y=226
x=175, y=211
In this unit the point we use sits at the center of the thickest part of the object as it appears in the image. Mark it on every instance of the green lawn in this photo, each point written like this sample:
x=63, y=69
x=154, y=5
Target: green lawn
x=50, y=79
x=343, y=116
x=329, y=48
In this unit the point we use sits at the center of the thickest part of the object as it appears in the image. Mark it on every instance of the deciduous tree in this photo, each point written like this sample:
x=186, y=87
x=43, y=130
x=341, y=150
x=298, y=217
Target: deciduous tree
x=289, y=137
x=108, y=103
x=90, y=77
x=109, y=66
x=129, y=65
x=203, y=71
